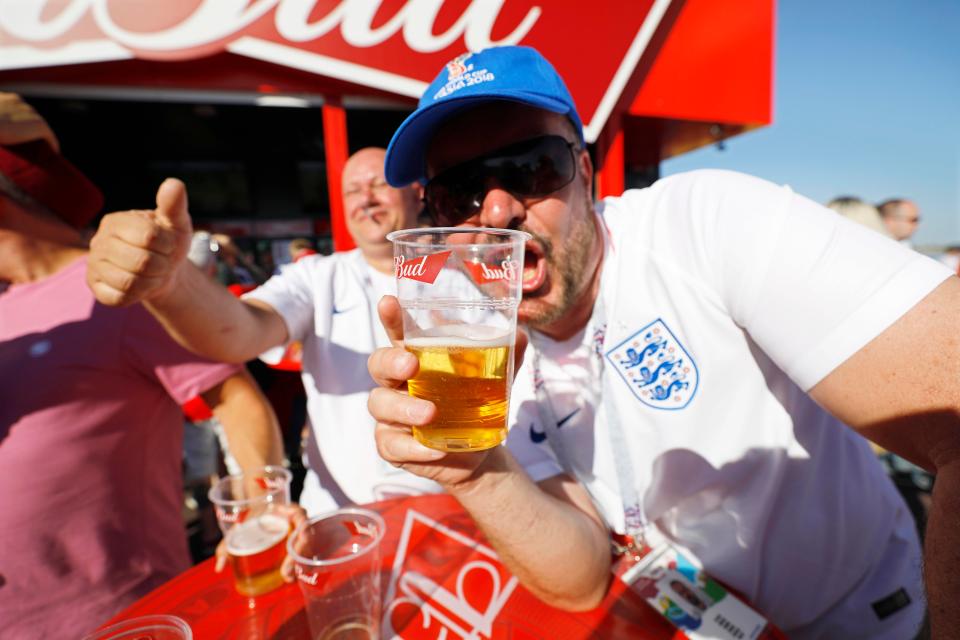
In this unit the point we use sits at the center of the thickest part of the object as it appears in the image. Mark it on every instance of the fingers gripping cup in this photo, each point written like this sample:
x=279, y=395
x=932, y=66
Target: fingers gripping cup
x=337, y=562
x=459, y=289
x=254, y=531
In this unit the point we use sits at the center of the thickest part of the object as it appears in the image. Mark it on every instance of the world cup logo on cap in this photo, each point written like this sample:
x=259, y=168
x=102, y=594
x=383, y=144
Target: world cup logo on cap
x=456, y=67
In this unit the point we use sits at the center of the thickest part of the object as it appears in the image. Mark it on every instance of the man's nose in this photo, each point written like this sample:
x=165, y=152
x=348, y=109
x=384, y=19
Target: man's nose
x=501, y=209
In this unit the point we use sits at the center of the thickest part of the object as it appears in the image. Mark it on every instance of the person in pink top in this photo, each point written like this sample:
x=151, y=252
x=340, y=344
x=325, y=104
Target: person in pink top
x=90, y=427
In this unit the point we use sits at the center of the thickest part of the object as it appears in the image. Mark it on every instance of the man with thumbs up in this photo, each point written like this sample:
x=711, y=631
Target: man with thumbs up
x=327, y=303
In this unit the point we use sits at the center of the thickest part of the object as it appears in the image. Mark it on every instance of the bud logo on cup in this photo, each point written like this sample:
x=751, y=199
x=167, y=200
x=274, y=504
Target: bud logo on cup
x=270, y=484
x=231, y=517
x=314, y=579
x=424, y=269
x=508, y=271
x=357, y=529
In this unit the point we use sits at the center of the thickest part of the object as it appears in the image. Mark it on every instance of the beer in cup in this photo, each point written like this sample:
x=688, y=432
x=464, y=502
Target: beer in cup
x=254, y=532
x=459, y=289
x=466, y=373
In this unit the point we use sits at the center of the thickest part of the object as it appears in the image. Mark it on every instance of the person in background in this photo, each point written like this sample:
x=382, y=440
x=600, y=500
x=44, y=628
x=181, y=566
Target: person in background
x=265, y=261
x=901, y=216
x=327, y=303
x=300, y=248
x=704, y=354
x=863, y=213
x=234, y=269
x=90, y=427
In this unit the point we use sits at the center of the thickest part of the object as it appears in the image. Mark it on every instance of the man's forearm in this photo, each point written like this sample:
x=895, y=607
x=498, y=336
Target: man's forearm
x=557, y=551
x=942, y=553
x=207, y=319
x=248, y=420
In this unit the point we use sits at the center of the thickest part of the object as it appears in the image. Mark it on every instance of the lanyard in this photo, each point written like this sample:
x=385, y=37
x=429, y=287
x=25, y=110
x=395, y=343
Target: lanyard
x=635, y=519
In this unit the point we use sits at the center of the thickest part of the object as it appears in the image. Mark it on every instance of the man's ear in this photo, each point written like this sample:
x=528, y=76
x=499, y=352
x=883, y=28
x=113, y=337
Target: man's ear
x=414, y=193
x=586, y=169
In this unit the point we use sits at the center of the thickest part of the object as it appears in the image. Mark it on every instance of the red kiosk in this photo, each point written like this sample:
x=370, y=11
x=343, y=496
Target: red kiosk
x=660, y=79
x=225, y=94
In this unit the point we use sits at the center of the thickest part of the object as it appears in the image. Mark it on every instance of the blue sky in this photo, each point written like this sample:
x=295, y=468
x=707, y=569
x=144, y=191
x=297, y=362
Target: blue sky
x=866, y=103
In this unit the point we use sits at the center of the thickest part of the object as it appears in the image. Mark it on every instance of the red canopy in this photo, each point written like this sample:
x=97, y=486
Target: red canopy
x=651, y=78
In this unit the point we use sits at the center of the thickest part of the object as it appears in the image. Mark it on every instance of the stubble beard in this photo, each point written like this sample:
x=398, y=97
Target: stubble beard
x=569, y=270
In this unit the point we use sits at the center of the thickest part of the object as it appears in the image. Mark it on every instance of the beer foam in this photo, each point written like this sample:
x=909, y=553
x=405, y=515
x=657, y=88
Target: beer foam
x=256, y=535
x=461, y=335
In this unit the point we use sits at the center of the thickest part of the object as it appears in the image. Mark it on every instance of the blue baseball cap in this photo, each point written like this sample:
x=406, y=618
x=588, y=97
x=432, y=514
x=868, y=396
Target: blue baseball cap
x=513, y=74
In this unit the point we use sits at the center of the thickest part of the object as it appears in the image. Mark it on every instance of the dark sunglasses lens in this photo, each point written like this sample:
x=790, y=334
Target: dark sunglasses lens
x=538, y=171
x=453, y=199
x=448, y=208
x=531, y=169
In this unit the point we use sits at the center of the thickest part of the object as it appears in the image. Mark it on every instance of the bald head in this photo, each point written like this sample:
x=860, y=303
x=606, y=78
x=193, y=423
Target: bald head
x=901, y=216
x=366, y=157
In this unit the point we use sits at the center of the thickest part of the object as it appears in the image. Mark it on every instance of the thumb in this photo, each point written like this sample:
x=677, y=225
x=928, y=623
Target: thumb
x=391, y=316
x=172, y=210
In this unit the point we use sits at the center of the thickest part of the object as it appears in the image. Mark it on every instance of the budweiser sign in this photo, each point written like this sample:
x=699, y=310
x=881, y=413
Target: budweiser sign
x=391, y=45
x=433, y=593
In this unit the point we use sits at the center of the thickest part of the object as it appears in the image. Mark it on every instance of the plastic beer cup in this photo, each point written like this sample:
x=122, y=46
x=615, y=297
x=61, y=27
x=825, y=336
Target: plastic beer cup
x=253, y=529
x=459, y=289
x=337, y=562
x=156, y=627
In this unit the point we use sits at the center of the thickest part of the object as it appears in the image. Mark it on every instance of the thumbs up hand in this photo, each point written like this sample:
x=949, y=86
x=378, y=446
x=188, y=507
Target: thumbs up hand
x=137, y=255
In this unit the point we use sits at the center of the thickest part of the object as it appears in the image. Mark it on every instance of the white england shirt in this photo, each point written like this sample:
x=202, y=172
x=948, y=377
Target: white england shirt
x=329, y=303
x=726, y=298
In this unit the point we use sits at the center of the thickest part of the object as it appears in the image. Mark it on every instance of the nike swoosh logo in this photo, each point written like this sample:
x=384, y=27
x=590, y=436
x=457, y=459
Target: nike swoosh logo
x=564, y=421
x=539, y=436
x=339, y=311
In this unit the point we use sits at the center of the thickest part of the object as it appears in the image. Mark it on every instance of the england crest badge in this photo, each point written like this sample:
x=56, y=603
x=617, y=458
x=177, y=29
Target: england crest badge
x=659, y=370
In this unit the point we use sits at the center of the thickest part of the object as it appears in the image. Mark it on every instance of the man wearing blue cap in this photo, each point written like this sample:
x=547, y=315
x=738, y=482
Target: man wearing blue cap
x=706, y=352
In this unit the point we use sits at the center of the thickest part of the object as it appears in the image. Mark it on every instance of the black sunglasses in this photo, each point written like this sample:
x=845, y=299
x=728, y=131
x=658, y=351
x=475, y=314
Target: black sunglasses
x=533, y=168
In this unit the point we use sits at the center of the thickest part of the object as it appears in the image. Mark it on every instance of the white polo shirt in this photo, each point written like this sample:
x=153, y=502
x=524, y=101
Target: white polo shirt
x=726, y=298
x=329, y=303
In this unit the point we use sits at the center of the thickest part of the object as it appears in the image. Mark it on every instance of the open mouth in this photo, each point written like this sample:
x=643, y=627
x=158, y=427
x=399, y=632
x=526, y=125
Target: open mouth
x=534, y=268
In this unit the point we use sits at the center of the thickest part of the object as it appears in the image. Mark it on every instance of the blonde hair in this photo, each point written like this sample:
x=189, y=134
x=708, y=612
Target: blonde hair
x=863, y=213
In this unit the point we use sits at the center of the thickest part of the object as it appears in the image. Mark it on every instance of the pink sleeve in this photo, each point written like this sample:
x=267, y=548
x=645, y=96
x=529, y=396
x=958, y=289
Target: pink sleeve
x=151, y=351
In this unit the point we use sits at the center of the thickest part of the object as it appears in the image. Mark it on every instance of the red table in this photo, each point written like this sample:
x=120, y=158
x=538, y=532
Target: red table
x=440, y=580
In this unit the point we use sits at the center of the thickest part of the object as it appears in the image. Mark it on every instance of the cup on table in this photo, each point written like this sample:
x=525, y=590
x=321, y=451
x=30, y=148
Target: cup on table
x=157, y=627
x=459, y=289
x=253, y=528
x=337, y=562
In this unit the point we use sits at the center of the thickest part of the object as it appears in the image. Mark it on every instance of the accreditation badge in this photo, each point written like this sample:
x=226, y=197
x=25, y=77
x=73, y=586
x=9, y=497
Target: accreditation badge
x=673, y=582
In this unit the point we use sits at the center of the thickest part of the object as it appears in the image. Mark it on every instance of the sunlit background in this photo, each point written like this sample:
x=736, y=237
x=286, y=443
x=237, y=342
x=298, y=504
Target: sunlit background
x=866, y=103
